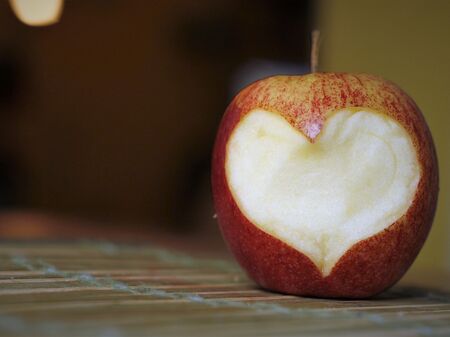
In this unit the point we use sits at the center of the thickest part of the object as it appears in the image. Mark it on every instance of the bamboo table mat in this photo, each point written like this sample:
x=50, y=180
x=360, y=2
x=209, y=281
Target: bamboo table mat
x=110, y=290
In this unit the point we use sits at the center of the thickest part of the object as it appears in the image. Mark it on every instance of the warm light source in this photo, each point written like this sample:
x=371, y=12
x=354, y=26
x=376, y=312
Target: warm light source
x=37, y=12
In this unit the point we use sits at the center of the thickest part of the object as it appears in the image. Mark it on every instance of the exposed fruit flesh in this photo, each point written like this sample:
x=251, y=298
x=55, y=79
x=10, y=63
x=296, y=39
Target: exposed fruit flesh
x=357, y=178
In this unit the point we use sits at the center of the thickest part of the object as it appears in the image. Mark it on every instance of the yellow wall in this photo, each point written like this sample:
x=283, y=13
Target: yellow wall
x=408, y=42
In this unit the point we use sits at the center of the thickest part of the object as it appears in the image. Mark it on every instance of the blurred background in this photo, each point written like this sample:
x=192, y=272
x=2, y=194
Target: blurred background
x=108, y=116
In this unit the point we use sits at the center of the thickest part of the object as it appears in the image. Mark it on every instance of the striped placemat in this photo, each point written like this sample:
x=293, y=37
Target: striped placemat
x=104, y=289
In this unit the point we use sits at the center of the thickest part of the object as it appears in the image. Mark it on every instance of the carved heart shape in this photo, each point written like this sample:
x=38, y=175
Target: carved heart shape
x=357, y=178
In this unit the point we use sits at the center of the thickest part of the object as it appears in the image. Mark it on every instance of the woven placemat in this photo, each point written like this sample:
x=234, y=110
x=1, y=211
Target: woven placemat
x=104, y=289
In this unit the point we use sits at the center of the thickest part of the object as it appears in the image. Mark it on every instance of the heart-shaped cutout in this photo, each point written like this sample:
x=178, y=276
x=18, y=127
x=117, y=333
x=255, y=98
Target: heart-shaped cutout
x=357, y=178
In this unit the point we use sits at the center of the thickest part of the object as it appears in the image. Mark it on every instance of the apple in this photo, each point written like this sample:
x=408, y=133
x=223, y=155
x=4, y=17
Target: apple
x=325, y=184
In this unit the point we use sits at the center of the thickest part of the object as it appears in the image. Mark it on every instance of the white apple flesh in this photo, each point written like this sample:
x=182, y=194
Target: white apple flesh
x=356, y=179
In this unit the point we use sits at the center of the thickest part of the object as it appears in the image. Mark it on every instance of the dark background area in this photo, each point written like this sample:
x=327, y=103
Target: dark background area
x=110, y=114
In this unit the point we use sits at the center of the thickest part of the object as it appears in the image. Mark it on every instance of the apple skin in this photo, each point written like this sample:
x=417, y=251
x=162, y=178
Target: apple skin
x=369, y=266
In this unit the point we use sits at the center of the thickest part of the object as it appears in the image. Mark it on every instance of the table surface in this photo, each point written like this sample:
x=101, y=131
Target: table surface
x=88, y=288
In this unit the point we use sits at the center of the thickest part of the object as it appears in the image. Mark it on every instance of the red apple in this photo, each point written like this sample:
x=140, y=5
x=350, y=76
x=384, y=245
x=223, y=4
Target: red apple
x=325, y=184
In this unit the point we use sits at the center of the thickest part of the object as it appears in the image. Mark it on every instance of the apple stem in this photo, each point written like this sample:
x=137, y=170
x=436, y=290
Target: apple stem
x=315, y=50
